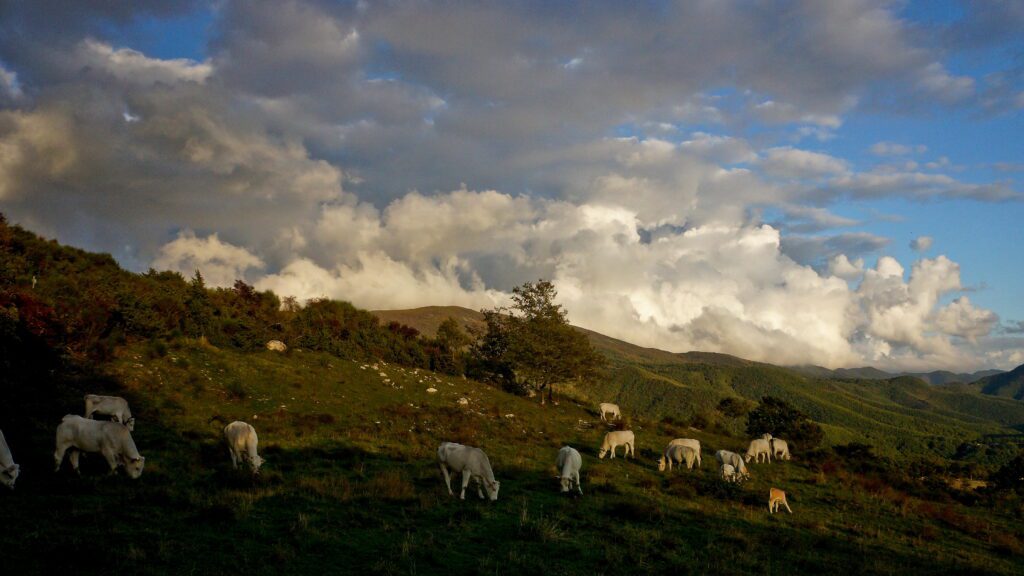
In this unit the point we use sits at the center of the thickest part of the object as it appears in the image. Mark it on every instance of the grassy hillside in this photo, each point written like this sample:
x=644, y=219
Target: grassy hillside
x=428, y=318
x=896, y=414
x=351, y=486
x=351, y=483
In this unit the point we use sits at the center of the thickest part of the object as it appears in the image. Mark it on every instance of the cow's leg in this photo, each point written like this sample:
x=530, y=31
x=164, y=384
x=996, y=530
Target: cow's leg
x=579, y=483
x=447, y=479
x=234, y=458
x=613, y=451
x=466, y=475
x=112, y=460
x=73, y=457
x=786, y=504
x=58, y=456
x=479, y=487
x=631, y=450
x=603, y=419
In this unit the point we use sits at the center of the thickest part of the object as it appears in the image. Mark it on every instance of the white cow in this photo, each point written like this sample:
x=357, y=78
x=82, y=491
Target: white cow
x=677, y=453
x=109, y=406
x=8, y=469
x=242, y=442
x=692, y=443
x=759, y=449
x=610, y=410
x=614, y=439
x=780, y=448
x=472, y=463
x=569, y=463
x=727, y=472
x=733, y=459
x=111, y=439
x=276, y=346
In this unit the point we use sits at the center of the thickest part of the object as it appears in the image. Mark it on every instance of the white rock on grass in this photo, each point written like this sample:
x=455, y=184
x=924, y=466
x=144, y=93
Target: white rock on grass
x=431, y=390
x=463, y=401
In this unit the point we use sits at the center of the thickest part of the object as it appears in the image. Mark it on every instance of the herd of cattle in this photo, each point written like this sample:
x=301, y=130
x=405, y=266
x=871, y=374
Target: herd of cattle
x=113, y=439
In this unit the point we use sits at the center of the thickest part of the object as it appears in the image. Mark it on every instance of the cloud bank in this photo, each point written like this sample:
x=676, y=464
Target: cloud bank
x=412, y=154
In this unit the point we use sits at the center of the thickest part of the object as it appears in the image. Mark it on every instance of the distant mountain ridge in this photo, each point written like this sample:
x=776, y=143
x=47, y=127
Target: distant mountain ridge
x=1006, y=384
x=935, y=378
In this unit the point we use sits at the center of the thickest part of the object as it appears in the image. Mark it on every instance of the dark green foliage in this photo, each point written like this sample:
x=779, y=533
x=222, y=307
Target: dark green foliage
x=84, y=305
x=533, y=344
x=1010, y=476
x=779, y=419
x=735, y=407
x=447, y=351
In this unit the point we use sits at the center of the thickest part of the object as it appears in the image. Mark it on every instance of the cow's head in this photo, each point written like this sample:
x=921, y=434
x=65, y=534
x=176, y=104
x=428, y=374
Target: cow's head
x=492, y=488
x=257, y=461
x=9, y=475
x=134, y=466
x=766, y=436
x=130, y=424
x=602, y=453
x=661, y=464
x=566, y=483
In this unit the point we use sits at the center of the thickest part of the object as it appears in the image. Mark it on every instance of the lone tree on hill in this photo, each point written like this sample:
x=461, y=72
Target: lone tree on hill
x=778, y=418
x=532, y=344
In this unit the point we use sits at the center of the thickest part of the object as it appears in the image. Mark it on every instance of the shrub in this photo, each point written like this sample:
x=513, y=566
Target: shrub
x=778, y=418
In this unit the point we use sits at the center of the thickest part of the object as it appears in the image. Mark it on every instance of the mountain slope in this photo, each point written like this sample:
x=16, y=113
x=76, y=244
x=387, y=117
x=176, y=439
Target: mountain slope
x=896, y=414
x=351, y=484
x=1007, y=384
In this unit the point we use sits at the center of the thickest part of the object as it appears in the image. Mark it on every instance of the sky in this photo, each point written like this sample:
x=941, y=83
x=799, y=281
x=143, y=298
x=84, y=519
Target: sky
x=796, y=182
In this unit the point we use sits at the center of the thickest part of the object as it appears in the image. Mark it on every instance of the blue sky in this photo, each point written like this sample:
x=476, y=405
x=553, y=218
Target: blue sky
x=727, y=176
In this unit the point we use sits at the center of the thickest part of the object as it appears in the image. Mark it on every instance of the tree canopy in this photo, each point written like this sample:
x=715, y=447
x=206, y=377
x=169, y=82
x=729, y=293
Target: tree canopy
x=779, y=419
x=532, y=345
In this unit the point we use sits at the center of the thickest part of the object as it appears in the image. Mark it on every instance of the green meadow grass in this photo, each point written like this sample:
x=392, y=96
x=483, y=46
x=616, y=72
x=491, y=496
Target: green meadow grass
x=351, y=486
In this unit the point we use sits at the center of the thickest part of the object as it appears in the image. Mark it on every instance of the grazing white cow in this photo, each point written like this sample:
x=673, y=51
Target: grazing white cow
x=111, y=439
x=276, y=346
x=472, y=463
x=611, y=410
x=776, y=497
x=759, y=449
x=242, y=443
x=780, y=448
x=734, y=460
x=8, y=469
x=109, y=406
x=569, y=463
x=727, y=472
x=692, y=443
x=614, y=439
x=677, y=453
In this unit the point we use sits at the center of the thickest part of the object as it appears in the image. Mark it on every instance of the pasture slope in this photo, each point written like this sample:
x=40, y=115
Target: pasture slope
x=351, y=486
x=897, y=415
